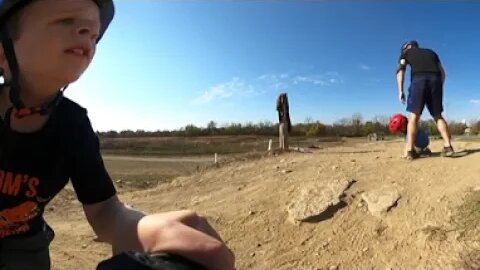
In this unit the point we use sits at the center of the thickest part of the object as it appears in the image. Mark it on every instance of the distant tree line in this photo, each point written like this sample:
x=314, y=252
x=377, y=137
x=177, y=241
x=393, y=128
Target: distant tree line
x=354, y=126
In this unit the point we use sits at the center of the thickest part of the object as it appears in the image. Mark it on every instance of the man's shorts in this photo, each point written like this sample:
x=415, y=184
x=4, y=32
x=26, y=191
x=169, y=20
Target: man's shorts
x=426, y=90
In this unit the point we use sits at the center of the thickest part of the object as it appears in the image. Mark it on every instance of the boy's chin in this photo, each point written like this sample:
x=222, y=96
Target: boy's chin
x=71, y=78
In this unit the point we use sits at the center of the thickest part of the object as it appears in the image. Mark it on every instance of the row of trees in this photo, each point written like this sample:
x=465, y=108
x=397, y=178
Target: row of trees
x=354, y=126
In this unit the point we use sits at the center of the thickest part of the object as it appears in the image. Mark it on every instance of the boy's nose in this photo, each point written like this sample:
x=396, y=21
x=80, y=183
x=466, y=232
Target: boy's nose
x=85, y=30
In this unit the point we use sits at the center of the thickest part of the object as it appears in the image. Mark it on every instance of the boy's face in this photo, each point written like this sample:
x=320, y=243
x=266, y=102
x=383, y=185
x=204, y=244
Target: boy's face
x=56, y=39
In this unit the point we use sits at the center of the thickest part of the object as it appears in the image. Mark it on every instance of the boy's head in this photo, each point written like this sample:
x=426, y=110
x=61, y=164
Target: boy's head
x=398, y=124
x=53, y=41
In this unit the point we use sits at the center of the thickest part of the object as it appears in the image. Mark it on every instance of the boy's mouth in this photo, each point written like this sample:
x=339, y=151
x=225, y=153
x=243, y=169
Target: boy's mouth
x=81, y=51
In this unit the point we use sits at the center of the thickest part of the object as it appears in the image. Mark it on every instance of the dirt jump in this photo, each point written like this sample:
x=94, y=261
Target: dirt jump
x=343, y=207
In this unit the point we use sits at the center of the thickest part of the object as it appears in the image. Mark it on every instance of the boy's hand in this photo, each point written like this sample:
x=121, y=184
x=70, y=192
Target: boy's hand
x=186, y=234
x=401, y=97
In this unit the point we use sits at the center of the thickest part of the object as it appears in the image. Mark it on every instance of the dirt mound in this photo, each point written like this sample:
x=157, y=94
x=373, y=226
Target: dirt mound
x=432, y=225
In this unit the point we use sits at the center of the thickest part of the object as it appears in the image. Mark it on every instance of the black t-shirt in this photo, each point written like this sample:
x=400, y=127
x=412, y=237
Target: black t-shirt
x=34, y=167
x=421, y=61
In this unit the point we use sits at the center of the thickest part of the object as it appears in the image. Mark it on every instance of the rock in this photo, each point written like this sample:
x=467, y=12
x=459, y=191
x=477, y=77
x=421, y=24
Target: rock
x=286, y=171
x=250, y=213
x=333, y=267
x=84, y=246
x=365, y=250
x=360, y=205
x=315, y=199
x=277, y=167
x=252, y=254
x=353, y=161
x=381, y=200
x=334, y=167
x=119, y=180
x=458, y=236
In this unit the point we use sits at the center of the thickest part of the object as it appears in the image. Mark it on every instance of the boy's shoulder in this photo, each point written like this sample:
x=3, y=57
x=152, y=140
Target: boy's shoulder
x=68, y=107
x=69, y=114
x=69, y=104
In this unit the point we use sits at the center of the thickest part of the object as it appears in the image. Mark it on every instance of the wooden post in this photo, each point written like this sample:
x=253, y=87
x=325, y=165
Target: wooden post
x=215, y=158
x=283, y=121
x=270, y=145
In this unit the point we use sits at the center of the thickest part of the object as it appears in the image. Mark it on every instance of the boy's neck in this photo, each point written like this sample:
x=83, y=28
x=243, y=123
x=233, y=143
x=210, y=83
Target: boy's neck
x=29, y=97
x=37, y=94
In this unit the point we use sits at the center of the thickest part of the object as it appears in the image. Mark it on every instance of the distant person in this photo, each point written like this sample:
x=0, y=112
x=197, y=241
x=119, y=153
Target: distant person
x=47, y=140
x=284, y=124
x=426, y=88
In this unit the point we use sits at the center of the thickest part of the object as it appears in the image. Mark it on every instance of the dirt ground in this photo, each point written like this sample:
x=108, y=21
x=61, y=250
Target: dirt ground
x=435, y=224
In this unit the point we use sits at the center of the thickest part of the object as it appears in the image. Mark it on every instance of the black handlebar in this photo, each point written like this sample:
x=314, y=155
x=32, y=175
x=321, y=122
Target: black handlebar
x=142, y=261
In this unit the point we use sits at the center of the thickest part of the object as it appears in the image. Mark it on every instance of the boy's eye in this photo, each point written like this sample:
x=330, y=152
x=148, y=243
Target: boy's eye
x=67, y=20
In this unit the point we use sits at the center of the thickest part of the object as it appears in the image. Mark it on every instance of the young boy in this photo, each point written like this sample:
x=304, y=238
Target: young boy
x=47, y=139
x=398, y=124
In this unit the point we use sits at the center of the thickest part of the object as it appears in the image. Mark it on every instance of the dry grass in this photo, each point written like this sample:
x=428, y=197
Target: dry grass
x=467, y=218
x=181, y=146
x=467, y=222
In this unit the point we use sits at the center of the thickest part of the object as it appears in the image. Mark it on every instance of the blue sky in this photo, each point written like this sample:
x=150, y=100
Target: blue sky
x=165, y=64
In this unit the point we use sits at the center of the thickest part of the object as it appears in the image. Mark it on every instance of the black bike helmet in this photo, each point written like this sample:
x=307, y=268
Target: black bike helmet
x=413, y=43
x=11, y=7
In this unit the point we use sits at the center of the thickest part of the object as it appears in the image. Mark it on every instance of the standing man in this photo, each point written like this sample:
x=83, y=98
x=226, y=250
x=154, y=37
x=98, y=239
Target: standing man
x=284, y=124
x=426, y=88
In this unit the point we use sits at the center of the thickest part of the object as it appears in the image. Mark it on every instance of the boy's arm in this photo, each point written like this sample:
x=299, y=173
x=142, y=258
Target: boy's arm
x=182, y=233
x=125, y=229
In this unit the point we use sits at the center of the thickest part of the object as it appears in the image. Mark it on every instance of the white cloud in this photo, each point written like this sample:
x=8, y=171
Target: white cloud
x=364, y=67
x=264, y=77
x=475, y=101
x=235, y=87
x=326, y=79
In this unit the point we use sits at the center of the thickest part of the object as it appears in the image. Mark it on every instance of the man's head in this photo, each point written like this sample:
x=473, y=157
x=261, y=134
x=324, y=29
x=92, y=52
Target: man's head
x=409, y=44
x=50, y=41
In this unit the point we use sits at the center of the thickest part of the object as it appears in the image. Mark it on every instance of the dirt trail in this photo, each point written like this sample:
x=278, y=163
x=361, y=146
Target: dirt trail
x=160, y=159
x=247, y=202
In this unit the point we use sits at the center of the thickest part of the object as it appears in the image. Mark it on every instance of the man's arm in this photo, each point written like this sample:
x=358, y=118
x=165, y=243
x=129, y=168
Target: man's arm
x=442, y=72
x=182, y=233
x=400, y=80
